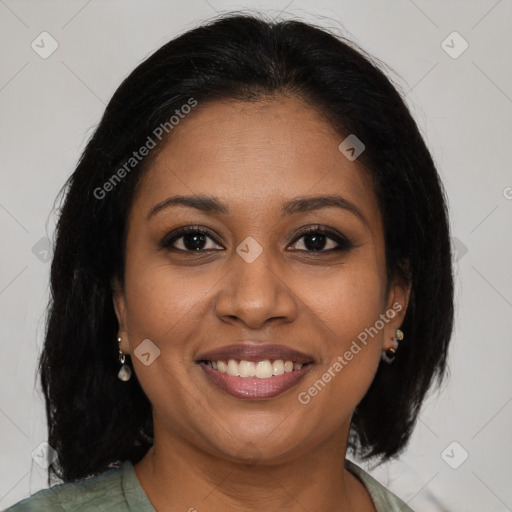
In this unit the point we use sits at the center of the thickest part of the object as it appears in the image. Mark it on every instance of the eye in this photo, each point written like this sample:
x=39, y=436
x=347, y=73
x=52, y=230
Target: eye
x=195, y=239
x=188, y=239
x=317, y=239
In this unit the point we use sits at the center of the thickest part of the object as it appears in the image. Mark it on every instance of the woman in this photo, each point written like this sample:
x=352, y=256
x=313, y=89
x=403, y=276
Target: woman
x=252, y=275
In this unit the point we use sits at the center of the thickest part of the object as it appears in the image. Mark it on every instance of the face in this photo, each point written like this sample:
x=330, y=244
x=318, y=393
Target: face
x=253, y=276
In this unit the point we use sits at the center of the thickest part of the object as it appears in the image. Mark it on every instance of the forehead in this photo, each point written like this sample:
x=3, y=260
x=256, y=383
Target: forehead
x=255, y=155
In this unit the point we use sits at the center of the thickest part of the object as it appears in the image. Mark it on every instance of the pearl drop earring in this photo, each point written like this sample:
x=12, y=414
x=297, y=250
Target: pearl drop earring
x=125, y=371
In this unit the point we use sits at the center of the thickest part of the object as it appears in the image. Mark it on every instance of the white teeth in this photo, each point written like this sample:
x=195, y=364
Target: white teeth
x=278, y=367
x=246, y=368
x=233, y=368
x=262, y=369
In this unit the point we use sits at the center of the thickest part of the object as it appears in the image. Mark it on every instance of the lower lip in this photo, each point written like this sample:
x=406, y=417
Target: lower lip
x=253, y=387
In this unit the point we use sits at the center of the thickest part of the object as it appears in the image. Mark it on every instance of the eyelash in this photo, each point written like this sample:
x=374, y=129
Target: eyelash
x=344, y=244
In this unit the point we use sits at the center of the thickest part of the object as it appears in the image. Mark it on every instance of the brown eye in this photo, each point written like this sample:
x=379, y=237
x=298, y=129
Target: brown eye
x=191, y=239
x=316, y=239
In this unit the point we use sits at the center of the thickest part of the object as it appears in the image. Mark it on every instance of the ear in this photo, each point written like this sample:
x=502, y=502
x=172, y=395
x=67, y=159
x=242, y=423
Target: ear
x=398, y=300
x=119, y=300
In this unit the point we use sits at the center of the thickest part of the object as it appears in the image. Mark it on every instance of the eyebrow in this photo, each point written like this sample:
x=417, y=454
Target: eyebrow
x=212, y=205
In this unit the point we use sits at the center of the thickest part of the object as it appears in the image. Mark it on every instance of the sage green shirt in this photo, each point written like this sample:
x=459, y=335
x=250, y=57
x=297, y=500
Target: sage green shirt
x=118, y=490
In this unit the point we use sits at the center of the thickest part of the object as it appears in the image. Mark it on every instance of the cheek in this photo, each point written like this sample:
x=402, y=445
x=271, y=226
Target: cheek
x=351, y=355
x=159, y=309
x=163, y=307
x=163, y=303
x=347, y=310
x=167, y=306
x=345, y=303
x=354, y=308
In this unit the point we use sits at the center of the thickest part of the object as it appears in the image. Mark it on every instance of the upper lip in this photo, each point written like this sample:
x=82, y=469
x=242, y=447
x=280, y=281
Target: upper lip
x=250, y=351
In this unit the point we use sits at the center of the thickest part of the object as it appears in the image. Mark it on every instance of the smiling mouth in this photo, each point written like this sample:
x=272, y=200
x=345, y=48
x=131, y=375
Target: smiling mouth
x=255, y=380
x=263, y=369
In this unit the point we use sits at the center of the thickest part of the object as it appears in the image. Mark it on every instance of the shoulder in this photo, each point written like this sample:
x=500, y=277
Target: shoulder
x=99, y=493
x=383, y=499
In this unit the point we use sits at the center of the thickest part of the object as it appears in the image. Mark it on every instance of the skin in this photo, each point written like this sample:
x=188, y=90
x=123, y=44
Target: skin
x=213, y=451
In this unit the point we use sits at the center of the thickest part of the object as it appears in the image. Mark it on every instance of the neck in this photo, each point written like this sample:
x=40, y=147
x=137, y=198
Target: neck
x=176, y=475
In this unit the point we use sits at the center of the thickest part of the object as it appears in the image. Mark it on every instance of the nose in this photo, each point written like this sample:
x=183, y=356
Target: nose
x=256, y=293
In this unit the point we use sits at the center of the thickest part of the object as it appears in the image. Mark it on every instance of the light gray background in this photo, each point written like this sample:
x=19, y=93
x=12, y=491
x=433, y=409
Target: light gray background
x=49, y=108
